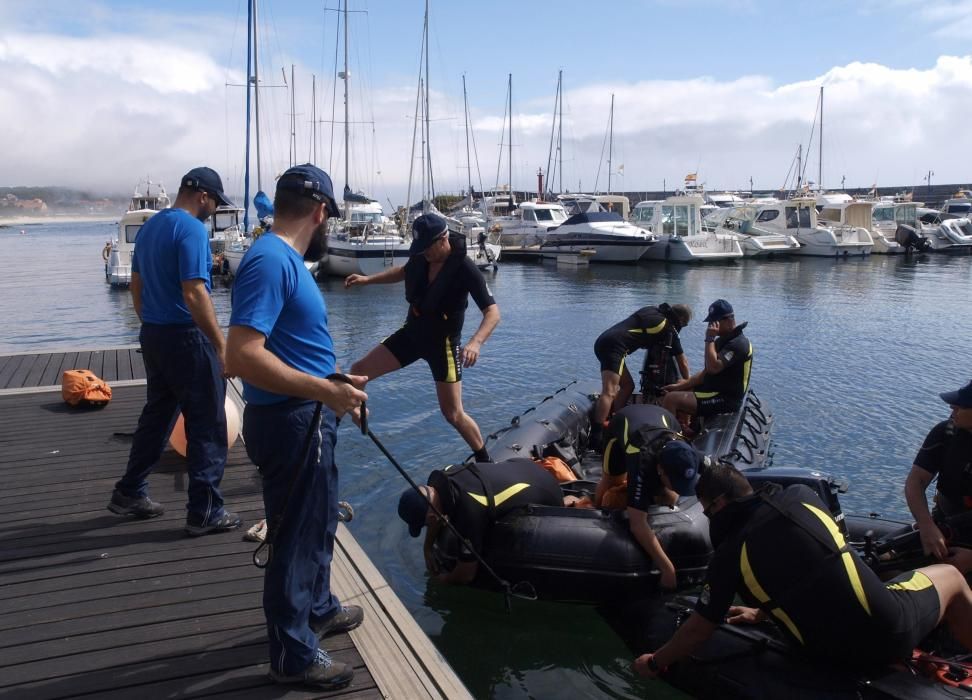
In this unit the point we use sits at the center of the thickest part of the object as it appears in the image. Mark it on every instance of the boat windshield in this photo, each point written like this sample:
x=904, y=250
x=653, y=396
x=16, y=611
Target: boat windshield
x=679, y=220
x=798, y=217
x=361, y=217
x=550, y=215
x=906, y=214
x=223, y=220
x=131, y=231
x=883, y=214
x=644, y=215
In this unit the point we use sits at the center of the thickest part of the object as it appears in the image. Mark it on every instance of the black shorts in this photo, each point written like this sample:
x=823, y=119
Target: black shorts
x=710, y=403
x=611, y=353
x=919, y=610
x=440, y=351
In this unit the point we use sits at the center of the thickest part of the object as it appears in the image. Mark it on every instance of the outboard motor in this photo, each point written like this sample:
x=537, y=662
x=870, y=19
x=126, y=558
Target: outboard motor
x=908, y=237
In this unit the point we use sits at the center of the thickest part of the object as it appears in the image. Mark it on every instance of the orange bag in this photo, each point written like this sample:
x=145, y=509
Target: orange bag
x=616, y=497
x=80, y=387
x=558, y=467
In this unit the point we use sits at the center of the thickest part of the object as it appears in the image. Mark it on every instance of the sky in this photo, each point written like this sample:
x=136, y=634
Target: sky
x=101, y=94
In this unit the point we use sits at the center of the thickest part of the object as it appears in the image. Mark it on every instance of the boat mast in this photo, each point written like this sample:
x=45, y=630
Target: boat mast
x=465, y=103
x=551, y=158
x=820, y=145
x=610, y=141
x=246, y=164
x=256, y=96
x=799, y=179
x=509, y=92
x=293, y=117
x=560, y=132
x=347, y=126
x=427, y=134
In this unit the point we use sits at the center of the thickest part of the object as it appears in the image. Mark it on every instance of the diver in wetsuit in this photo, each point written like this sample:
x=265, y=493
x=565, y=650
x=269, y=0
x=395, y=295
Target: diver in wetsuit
x=782, y=552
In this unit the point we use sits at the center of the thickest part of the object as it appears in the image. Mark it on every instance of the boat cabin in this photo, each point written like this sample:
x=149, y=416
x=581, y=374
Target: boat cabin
x=675, y=216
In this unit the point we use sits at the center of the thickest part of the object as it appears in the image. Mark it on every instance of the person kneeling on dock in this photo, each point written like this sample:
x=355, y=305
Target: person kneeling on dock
x=649, y=328
x=722, y=383
x=783, y=553
x=473, y=496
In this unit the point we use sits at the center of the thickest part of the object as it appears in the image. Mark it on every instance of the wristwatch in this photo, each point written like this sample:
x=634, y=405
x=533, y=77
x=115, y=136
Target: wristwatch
x=709, y=340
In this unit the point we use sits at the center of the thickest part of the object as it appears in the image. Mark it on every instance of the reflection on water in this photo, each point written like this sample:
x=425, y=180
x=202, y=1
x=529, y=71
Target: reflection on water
x=850, y=355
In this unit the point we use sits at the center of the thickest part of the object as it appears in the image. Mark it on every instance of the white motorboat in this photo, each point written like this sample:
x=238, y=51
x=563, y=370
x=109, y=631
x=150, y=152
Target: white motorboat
x=844, y=215
x=528, y=226
x=118, y=252
x=798, y=217
x=611, y=238
x=953, y=236
x=677, y=223
x=886, y=217
x=755, y=240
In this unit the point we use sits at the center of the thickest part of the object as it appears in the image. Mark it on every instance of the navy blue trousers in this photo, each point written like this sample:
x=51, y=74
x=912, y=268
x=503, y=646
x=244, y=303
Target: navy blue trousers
x=297, y=582
x=182, y=371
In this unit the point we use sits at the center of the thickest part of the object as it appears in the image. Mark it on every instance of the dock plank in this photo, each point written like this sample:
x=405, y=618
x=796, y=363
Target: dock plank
x=52, y=373
x=9, y=368
x=99, y=606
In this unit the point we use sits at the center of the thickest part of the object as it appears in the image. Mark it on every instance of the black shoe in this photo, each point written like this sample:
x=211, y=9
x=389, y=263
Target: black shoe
x=225, y=522
x=344, y=620
x=324, y=672
x=139, y=506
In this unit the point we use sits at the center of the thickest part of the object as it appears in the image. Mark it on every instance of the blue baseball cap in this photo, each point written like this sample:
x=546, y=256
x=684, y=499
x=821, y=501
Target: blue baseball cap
x=961, y=398
x=310, y=181
x=718, y=310
x=412, y=508
x=426, y=230
x=206, y=180
x=680, y=462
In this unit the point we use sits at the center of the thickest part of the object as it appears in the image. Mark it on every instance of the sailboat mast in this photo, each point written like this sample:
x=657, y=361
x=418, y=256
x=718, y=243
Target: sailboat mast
x=465, y=103
x=246, y=164
x=347, y=120
x=256, y=96
x=610, y=142
x=560, y=131
x=509, y=92
x=551, y=154
x=313, y=118
x=820, y=145
x=427, y=150
x=293, y=118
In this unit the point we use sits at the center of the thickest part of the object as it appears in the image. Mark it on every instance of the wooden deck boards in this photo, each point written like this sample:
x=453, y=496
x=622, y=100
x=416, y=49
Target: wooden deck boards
x=44, y=369
x=99, y=606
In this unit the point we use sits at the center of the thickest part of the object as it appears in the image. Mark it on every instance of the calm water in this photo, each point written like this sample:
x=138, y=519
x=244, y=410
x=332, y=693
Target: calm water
x=850, y=356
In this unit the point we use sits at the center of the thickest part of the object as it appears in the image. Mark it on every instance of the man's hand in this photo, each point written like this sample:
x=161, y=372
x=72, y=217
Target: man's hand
x=668, y=581
x=344, y=398
x=641, y=667
x=960, y=558
x=470, y=353
x=677, y=386
x=712, y=329
x=739, y=615
x=354, y=279
x=933, y=541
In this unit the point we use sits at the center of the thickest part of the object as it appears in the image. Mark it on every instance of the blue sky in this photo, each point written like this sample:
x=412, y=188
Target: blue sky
x=100, y=93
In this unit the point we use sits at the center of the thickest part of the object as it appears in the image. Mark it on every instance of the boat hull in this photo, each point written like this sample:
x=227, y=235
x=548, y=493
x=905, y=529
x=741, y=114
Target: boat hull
x=689, y=249
x=365, y=259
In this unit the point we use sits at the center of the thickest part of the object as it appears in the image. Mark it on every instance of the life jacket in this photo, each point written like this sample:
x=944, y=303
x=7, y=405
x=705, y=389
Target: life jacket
x=80, y=387
x=427, y=298
x=558, y=467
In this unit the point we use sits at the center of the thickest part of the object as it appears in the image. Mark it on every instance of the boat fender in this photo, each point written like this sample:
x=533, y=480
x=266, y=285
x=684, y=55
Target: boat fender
x=106, y=251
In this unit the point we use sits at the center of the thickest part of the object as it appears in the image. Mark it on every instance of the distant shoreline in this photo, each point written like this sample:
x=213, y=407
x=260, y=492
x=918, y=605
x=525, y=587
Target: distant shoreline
x=55, y=219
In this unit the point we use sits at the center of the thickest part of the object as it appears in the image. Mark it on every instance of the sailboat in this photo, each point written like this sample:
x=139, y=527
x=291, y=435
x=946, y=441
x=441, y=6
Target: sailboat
x=475, y=224
x=364, y=241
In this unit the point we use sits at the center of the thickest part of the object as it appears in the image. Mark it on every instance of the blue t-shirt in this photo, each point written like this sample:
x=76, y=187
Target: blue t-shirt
x=276, y=295
x=171, y=248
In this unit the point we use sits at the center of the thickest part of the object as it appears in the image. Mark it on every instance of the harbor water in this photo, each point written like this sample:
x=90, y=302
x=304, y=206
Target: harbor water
x=850, y=356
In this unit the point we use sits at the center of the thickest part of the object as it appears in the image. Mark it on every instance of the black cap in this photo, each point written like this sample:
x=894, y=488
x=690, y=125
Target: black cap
x=412, y=508
x=718, y=310
x=206, y=180
x=680, y=462
x=310, y=181
x=426, y=230
x=961, y=397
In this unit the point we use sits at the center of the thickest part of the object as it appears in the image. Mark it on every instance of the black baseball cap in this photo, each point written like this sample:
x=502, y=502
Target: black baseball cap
x=718, y=310
x=412, y=508
x=960, y=397
x=310, y=181
x=426, y=230
x=206, y=180
x=680, y=462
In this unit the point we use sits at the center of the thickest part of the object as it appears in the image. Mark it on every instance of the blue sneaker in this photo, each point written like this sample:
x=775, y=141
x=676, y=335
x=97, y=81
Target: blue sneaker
x=225, y=522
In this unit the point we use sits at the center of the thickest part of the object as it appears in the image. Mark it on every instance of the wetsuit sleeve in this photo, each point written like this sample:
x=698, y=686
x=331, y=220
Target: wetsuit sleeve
x=195, y=257
x=258, y=298
x=931, y=456
x=677, y=345
x=734, y=352
x=640, y=488
x=721, y=582
x=476, y=284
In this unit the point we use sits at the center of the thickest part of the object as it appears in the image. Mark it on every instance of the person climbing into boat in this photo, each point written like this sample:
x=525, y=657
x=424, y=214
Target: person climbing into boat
x=648, y=327
x=184, y=353
x=721, y=384
x=947, y=454
x=439, y=278
x=473, y=496
x=280, y=345
x=783, y=553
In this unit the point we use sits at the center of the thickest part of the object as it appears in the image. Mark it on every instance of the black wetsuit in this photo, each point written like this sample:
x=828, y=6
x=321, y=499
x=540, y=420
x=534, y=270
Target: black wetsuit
x=797, y=569
x=723, y=392
x=947, y=453
x=437, y=310
x=466, y=491
x=645, y=327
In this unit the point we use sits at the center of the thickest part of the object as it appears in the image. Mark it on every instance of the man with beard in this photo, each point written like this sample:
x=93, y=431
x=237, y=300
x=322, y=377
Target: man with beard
x=184, y=353
x=279, y=344
x=439, y=278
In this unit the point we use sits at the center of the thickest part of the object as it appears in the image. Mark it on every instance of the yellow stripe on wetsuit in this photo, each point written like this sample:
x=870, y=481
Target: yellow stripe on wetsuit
x=502, y=496
x=849, y=565
x=749, y=578
x=917, y=582
x=650, y=331
x=450, y=362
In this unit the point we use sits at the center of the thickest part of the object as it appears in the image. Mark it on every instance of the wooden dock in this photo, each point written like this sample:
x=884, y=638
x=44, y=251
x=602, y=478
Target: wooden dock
x=100, y=606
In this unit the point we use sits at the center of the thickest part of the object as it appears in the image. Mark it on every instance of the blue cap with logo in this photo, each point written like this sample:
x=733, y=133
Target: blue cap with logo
x=206, y=180
x=426, y=230
x=310, y=181
x=961, y=397
x=680, y=462
x=718, y=310
x=412, y=507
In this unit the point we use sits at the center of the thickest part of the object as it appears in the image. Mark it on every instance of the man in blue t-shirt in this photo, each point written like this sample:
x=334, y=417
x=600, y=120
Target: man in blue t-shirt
x=183, y=350
x=280, y=345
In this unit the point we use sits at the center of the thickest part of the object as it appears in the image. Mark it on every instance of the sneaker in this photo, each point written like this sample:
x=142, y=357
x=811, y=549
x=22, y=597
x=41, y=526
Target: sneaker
x=344, y=620
x=139, y=506
x=324, y=672
x=225, y=522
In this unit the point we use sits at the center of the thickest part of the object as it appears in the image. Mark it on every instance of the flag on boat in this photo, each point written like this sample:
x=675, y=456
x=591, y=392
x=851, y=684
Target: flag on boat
x=691, y=177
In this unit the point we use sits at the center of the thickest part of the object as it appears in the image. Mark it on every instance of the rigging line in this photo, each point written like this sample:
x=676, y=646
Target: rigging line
x=337, y=45
x=813, y=127
x=600, y=160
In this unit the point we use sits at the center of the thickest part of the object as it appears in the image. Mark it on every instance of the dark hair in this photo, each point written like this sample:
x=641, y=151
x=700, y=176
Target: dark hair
x=683, y=312
x=291, y=204
x=183, y=190
x=722, y=479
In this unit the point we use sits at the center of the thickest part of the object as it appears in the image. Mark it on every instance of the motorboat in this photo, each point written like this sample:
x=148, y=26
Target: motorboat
x=843, y=214
x=117, y=253
x=887, y=218
x=798, y=217
x=956, y=208
x=527, y=226
x=603, y=235
x=952, y=236
x=677, y=223
x=755, y=240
